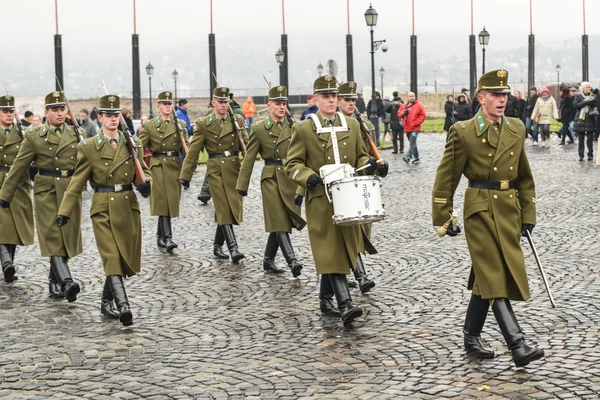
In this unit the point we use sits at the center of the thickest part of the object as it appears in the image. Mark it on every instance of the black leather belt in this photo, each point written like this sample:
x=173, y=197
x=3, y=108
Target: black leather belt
x=115, y=188
x=5, y=168
x=273, y=162
x=224, y=154
x=62, y=173
x=166, y=154
x=494, y=185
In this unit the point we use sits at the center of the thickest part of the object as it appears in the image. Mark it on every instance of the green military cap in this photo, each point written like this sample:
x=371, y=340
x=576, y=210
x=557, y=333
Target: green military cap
x=221, y=93
x=7, y=102
x=278, y=93
x=325, y=84
x=55, y=99
x=165, y=97
x=494, y=81
x=348, y=90
x=109, y=104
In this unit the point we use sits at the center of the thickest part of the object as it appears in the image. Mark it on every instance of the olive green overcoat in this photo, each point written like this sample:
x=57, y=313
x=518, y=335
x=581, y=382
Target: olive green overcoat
x=16, y=222
x=492, y=218
x=54, y=152
x=271, y=140
x=115, y=215
x=335, y=248
x=161, y=136
x=365, y=244
x=222, y=172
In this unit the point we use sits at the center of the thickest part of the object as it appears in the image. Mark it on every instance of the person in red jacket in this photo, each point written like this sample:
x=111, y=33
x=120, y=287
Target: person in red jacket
x=412, y=114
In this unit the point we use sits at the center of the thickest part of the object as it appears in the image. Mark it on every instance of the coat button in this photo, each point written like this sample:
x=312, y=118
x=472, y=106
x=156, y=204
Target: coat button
x=105, y=163
x=510, y=196
x=495, y=196
x=329, y=158
x=110, y=175
x=344, y=143
x=71, y=157
x=58, y=179
x=56, y=158
x=489, y=155
x=112, y=198
x=72, y=147
x=17, y=146
x=511, y=168
x=322, y=145
x=483, y=140
x=222, y=162
x=125, y=173
x=50, y=148
x=512, y=153
x=126, y=162
x=345, y=157
x=495, y=168
x=126, y=197
x=164, y=159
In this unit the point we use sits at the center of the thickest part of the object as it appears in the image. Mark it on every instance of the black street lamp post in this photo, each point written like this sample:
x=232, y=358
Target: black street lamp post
x=280, y=58
x=150, y=71
x=371, y=19
x=175, y=76
x=381, y=73
x=557, y=80
x=484, y=39
x=320, y=69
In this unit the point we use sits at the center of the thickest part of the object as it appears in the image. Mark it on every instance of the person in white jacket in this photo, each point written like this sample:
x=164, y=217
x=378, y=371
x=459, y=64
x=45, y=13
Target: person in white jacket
x=547, y=110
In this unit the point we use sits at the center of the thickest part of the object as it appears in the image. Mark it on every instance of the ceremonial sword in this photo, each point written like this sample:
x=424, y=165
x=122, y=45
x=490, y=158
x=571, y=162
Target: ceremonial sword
x=539, y=264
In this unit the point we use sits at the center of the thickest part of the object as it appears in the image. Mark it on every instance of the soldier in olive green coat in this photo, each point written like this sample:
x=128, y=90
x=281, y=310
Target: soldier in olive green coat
x=162, y=137
x=16, y=222
x=106, y=161
x=271, y=139
x=335, y=248
x=52, y=147
x=216, y=133
x=499, y=207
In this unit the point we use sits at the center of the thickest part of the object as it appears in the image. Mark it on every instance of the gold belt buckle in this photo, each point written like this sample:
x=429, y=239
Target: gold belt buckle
x=504, y=185
x=227, y=153
x=170, y=153
x=118, y=188
x=64, y=173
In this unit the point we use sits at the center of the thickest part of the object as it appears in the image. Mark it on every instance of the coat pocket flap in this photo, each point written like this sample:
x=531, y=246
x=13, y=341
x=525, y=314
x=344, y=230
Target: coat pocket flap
x=318, y=192
x=41, y=187
x=98, y=207
x=475, y=207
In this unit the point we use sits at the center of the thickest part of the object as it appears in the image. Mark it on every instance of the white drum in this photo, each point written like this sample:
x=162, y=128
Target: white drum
x=334, y=172
x=357, y=200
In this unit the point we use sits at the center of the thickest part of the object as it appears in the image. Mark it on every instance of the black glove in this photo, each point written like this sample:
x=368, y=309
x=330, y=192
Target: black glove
x=243, y=193
x=4, y=204
x=61, y=220
x=298, y=200
x=313, y=181
x=527, y=227
x=144, y=188
x=453, y=230
x=371, y=166
x=383, y=169
x=185, y=183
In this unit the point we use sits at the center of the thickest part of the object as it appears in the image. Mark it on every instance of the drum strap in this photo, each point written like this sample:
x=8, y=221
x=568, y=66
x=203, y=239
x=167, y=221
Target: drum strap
x=332, y=130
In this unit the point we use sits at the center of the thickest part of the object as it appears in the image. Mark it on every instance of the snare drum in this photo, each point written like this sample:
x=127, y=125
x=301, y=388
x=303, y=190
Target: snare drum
x=334, y=172
x=357, y=200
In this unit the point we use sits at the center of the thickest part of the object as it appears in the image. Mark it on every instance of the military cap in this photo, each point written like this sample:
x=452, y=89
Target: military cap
x=165, y=97
x=278, y=93
x=348, y=90
x=7, y=102
x=221, y=93
x=325, y=84
x=55, y=99
x=495, y=81
x=109, y=104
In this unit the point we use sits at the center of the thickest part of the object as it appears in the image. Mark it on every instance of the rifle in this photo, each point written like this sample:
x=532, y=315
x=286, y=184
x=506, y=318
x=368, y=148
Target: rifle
x=288, y=114
x=17, y=120
x=139, y=172
x=184, y=147
x=76, y=127
x=236, y=126
x=365, y=131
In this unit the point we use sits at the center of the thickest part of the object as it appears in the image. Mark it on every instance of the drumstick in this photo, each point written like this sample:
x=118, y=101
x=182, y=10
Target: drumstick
x=335, y=170
x=363, y=167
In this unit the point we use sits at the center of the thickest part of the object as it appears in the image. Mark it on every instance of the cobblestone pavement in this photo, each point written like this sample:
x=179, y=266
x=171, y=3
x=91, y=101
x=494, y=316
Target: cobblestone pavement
x=210, y=329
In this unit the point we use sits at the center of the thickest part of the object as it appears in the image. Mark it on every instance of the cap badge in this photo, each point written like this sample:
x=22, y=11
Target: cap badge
x=112, y=99
x=8, y=97
x=168, y=94
x=223, y=91
x=328, y=78
x=351, y=85
x=280, y=88
x=56, y=94
x=502, y=73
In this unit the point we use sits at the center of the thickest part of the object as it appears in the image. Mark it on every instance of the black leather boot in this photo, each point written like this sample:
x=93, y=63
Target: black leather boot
x=270, y=252
x=283, y=238
x=342, y=293
x=170, y=245
x=117, y=289
x=236, y=256
x=54, y=287
x=8, y=268
x=360, y=274
x=60, y=268
x=476, y=315
x=160, y=236
x=395, y=145
x=326, y=298
x=107, y=306
x=522, y=353
x=218, y=243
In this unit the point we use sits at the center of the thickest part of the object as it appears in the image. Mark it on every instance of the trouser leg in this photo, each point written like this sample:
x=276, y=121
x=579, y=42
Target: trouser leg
x=581, y=144
x=285, y=243
x=395, y=142
x=117, y=289
x=8, y=268
x=474, y=321
x=218, y=244
x=204, y=196
x=590, y=145
x=270, y=252
x=60, y=268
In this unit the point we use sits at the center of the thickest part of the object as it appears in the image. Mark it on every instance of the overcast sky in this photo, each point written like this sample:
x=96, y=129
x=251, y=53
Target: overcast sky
x=102, y=30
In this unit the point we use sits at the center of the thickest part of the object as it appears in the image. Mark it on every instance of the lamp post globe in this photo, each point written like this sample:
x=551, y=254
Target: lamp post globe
x=557, y=80
x=381, y=73
x=279, y=56
x=320, y=69
x=175, y=76
x=484, y=39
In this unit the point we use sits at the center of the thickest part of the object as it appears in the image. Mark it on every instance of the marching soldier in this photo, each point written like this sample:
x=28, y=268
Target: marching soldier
x=16, y=222
x=347, y=105
x=107, y=163
x=161, y=136
x=499, y=207
x=52, y=147
x=271, y=138
x=335, y=248
x=216, y=133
